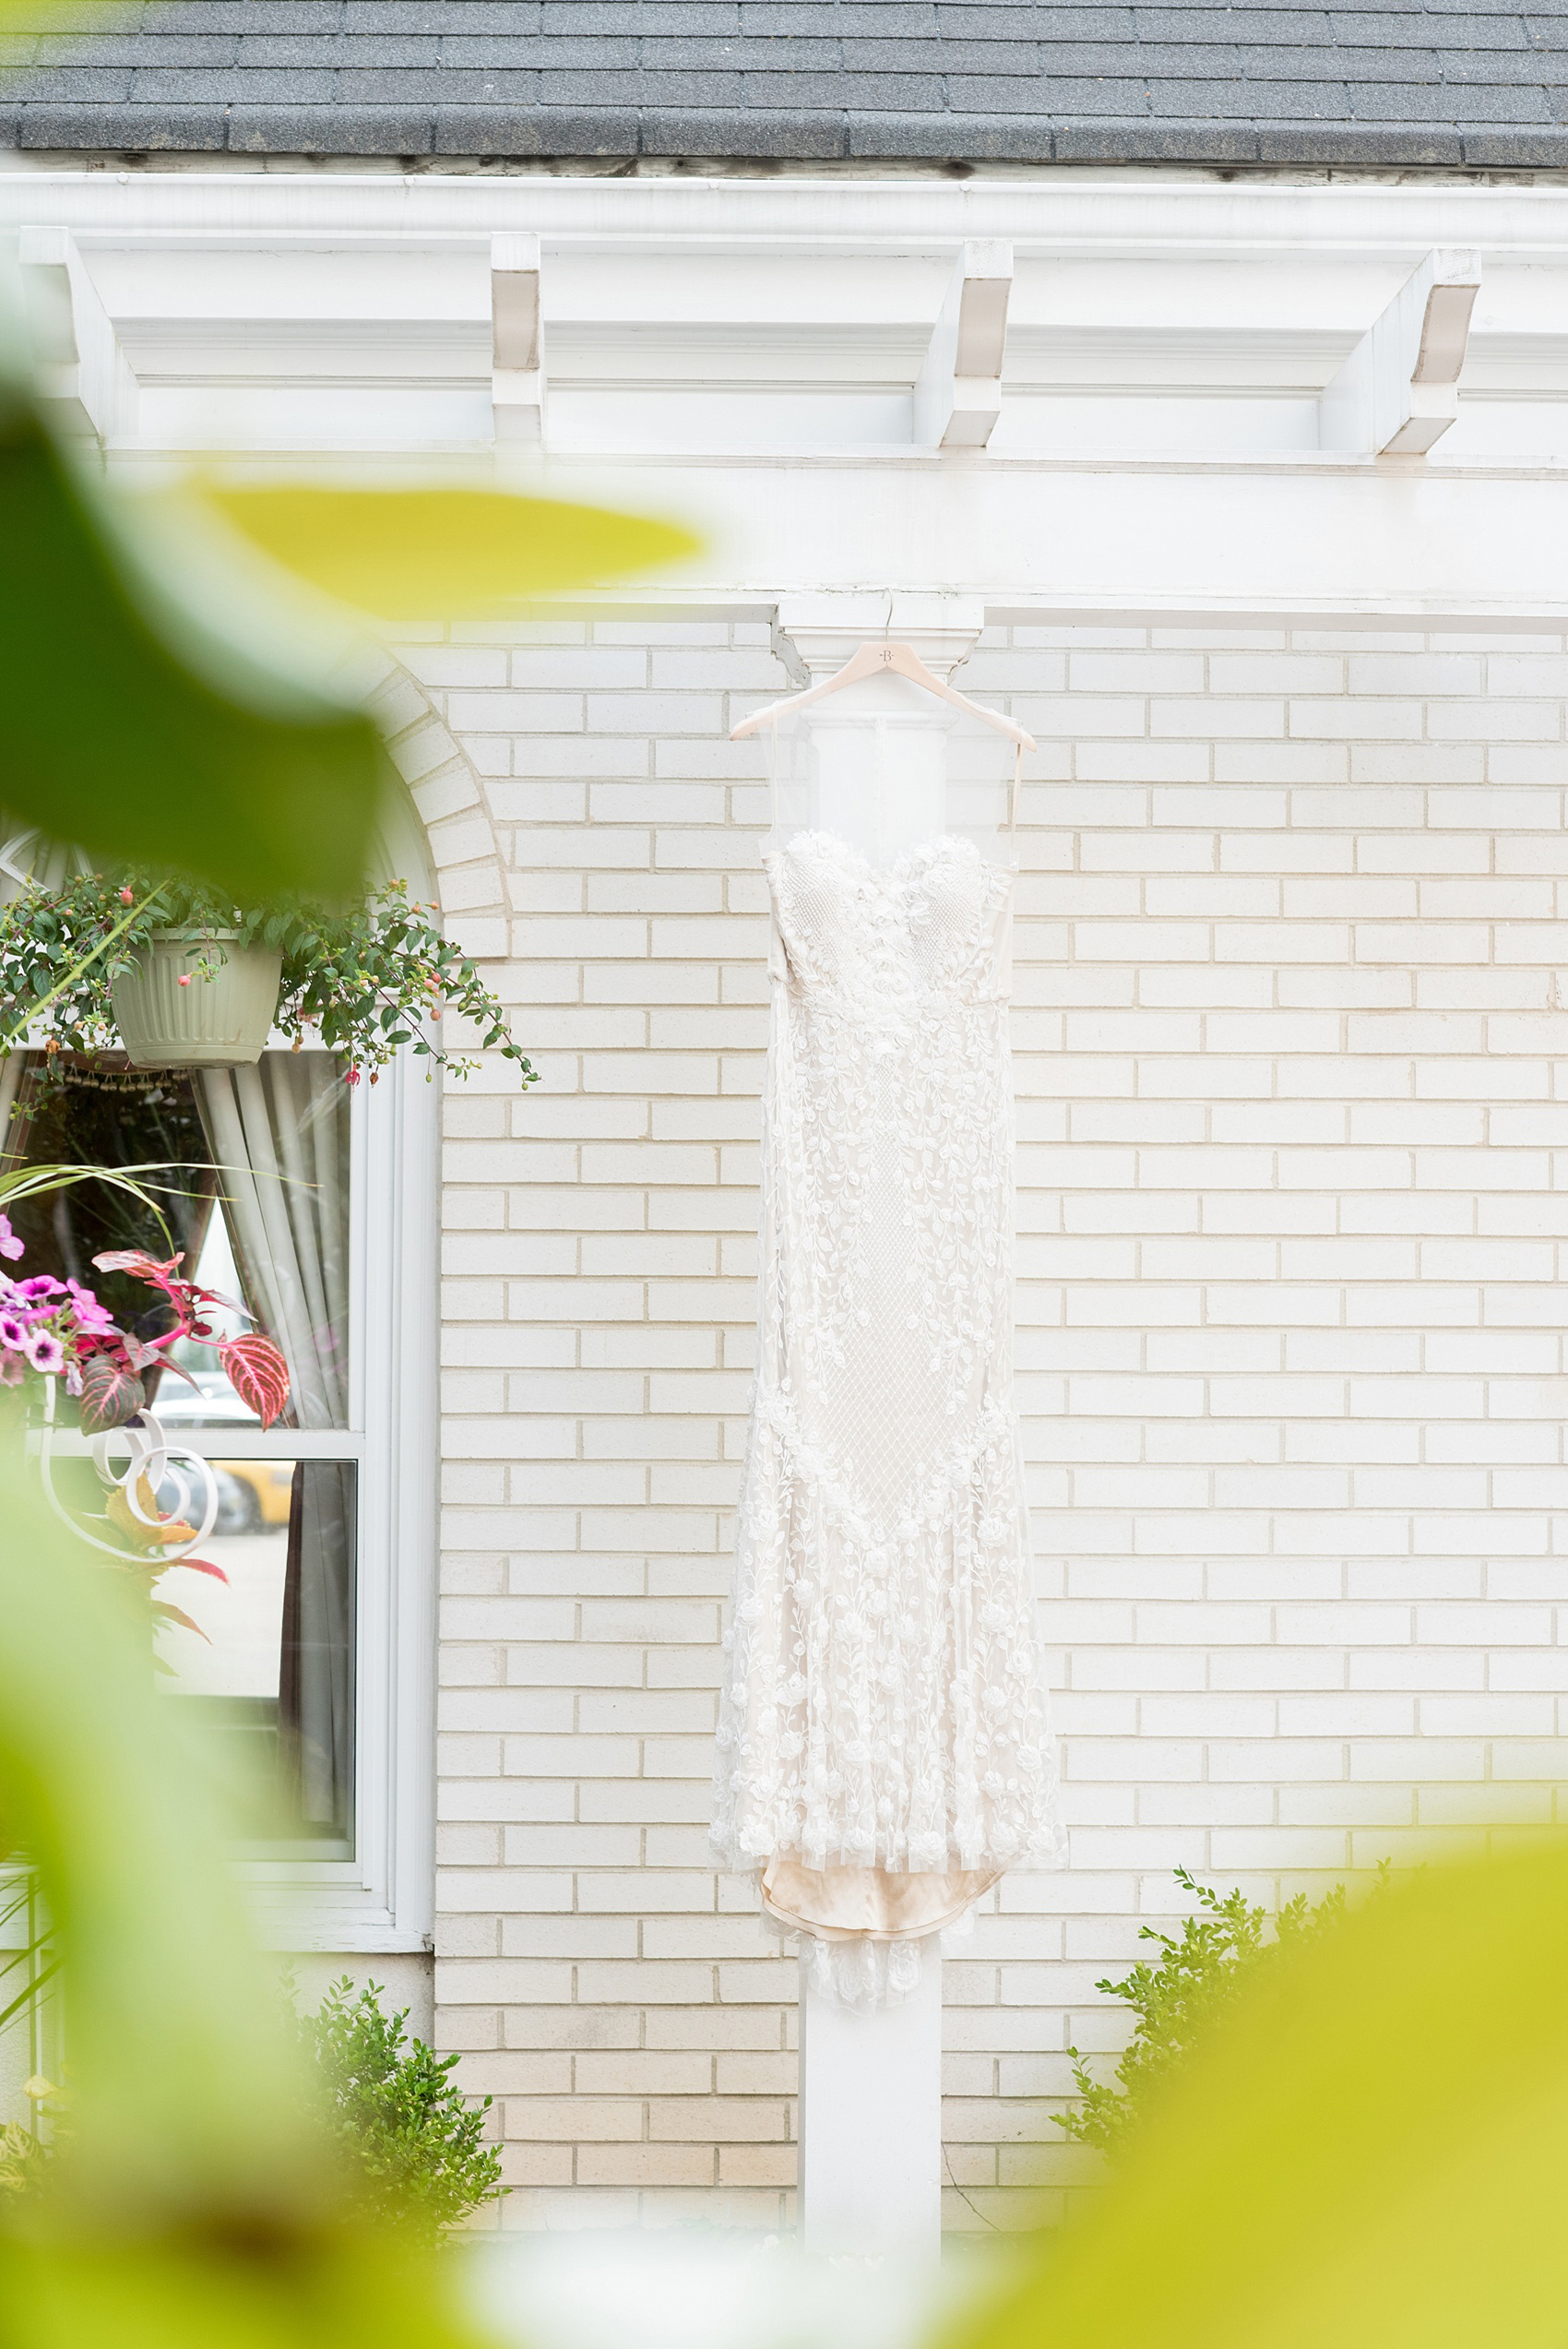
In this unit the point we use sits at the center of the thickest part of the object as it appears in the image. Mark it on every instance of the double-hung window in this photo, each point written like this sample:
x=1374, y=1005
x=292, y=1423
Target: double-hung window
x=312, y=1202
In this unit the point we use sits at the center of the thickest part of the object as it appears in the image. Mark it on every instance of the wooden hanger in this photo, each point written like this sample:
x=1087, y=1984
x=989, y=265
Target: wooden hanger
x=882, y=661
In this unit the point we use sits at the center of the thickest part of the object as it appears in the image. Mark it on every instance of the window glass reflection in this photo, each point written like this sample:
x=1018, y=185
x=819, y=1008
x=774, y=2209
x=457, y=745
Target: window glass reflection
x=271, y=1659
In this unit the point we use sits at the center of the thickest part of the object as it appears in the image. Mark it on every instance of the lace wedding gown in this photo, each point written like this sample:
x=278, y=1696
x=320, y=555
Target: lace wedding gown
x=883, y=1752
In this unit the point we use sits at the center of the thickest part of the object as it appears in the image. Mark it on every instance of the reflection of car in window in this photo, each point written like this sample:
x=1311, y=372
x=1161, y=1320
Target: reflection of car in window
x=207, y=1402
x=253, y=1494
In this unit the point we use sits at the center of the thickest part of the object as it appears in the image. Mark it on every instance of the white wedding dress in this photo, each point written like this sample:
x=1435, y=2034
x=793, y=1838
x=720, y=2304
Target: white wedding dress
x=884, y=1753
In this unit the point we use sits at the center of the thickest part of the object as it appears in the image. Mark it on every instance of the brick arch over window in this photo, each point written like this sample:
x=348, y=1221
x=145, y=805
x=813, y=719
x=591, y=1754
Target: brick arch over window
x=465, y=862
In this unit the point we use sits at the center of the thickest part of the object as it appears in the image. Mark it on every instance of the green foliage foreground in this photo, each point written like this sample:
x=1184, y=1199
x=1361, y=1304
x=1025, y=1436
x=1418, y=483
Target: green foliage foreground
x=409, y=2144
x=136, y=731
x=200, y=2202
x=153, y=713
x=1373, y=2152
x=200, y=2207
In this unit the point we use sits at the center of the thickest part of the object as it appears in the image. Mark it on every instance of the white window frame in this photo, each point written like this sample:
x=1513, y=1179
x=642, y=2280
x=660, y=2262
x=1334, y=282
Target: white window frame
x=382, y=1898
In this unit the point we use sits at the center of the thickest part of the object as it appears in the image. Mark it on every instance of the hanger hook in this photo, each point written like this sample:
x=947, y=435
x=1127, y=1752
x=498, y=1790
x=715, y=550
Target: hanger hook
x=887, y=624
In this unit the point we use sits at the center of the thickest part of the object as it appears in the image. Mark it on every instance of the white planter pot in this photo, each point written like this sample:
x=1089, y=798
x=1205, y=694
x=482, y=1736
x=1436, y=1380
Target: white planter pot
x=210, y=1023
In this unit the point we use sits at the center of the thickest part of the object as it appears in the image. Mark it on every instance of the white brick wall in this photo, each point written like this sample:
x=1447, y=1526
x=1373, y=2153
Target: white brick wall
x=1289, y=1023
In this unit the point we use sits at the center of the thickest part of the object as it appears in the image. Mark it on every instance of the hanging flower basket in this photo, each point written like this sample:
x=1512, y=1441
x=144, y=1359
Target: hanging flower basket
x=184, y=978
x=196, y=999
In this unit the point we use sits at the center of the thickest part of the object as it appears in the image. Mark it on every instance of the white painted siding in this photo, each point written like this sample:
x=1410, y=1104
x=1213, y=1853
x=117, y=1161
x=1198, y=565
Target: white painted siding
x=1289, y=1047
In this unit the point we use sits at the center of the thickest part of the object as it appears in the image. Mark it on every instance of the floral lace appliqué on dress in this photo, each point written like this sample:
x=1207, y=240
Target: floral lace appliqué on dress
x=884, y=1751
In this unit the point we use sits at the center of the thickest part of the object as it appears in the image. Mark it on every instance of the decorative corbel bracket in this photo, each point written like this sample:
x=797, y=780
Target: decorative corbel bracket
x=958, y=389
x=83, y=375
x=516, y=380
x=1398, y=391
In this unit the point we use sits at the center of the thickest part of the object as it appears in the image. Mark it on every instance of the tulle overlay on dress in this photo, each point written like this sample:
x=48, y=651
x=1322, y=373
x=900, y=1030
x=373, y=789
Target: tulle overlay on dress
x=883, y=1708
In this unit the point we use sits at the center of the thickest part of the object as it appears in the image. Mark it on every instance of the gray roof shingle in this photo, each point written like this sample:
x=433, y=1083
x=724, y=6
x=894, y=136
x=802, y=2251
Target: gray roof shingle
x=1437, y=82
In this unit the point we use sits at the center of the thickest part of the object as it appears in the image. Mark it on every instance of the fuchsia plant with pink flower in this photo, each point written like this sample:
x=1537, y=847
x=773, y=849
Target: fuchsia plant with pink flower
x=51, y=1329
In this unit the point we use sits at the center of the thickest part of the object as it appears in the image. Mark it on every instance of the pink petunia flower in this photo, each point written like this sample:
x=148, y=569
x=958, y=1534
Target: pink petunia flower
x=45, y=1352
x=42, y=1286
x=89, y=1315
x=9, y=1244
x=13, y=1370
x=13, y=1332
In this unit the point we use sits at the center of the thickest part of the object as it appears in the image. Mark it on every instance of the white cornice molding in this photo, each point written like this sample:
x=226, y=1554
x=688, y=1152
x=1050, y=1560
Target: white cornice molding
x=297, y=325
x=1050, y=215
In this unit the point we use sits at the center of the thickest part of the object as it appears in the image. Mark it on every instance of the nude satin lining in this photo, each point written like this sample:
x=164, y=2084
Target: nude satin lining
x=865, y=1904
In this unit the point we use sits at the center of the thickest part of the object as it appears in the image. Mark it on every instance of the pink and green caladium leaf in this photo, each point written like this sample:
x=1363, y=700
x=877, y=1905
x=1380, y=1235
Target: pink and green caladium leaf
x=111, y=1394
x=258, y=1374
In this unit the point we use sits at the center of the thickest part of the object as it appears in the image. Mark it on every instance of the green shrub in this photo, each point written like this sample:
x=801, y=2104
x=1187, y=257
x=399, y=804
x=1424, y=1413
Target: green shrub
x=409, y=2143
x=410, y=2139
x=1200, y=1975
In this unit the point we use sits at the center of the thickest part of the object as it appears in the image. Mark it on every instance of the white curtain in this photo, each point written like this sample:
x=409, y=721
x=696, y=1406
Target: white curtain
x=279, y=1136
x=315, y=1675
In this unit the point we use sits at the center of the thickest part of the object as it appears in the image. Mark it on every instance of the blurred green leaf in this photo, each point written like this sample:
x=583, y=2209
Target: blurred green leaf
x=236, y=2286
x=149, y=715
x=60, y=15
x=123, y=738
x=198, y=2208
x=125, y=1822
x=1372, y=2154
x=415, y=554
